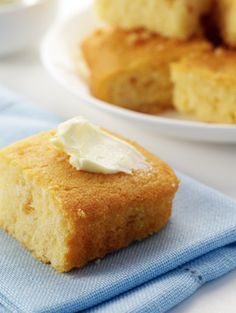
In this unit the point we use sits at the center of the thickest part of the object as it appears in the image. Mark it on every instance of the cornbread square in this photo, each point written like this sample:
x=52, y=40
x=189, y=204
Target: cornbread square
x=226, y=17
x=131, y=68
x=170, y=18
x=205, y=86
x=68, y=217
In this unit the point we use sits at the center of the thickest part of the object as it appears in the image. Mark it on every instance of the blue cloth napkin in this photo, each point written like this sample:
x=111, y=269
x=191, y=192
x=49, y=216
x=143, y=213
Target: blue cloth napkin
x=197, y=246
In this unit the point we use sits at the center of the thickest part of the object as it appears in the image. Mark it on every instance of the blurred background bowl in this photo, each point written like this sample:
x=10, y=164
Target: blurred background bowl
x=23, y=23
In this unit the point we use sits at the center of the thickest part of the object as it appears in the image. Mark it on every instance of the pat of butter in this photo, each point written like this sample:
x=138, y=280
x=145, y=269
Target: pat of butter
x=93, y=150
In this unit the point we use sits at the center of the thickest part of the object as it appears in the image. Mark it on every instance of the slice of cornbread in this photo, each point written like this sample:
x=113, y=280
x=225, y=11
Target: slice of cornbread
x=68, y=217
x=205, y=86
x=131, y=68
x=170, y=18
x=226, y=17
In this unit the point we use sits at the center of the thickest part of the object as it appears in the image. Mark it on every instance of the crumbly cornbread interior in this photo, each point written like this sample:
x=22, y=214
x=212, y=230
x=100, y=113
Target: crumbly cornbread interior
x=170, y=18
x=205, y=86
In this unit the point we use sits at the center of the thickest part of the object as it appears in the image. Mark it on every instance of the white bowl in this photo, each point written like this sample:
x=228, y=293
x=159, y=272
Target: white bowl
x=58, y=51
x=24, y=22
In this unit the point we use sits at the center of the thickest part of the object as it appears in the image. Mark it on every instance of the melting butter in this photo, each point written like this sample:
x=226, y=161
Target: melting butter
x=94, y=150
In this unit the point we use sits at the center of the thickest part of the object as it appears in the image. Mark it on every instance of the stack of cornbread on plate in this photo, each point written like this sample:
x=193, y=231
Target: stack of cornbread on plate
x=156, y=55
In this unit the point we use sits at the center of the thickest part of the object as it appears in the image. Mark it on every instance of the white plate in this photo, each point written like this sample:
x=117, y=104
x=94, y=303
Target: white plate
x=58, y=54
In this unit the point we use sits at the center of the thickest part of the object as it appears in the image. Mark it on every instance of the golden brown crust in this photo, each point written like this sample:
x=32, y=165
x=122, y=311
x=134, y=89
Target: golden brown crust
x=217, y=62
x=117, y=228
x=118, y=49
x=105, y=212
x=73, y=187
x=131, y=68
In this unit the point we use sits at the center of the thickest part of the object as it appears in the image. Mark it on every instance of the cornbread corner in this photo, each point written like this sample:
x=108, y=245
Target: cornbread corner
x=131, y=68
x=205, y=86
x=174, y=19
x=225, y=15
x=68, y=217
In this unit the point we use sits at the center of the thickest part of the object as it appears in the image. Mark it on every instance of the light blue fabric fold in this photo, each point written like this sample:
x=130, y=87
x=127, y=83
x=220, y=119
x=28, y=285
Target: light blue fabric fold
x=149, y=276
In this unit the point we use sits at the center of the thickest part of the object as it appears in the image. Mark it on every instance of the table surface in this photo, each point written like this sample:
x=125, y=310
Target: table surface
x=213, y=164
